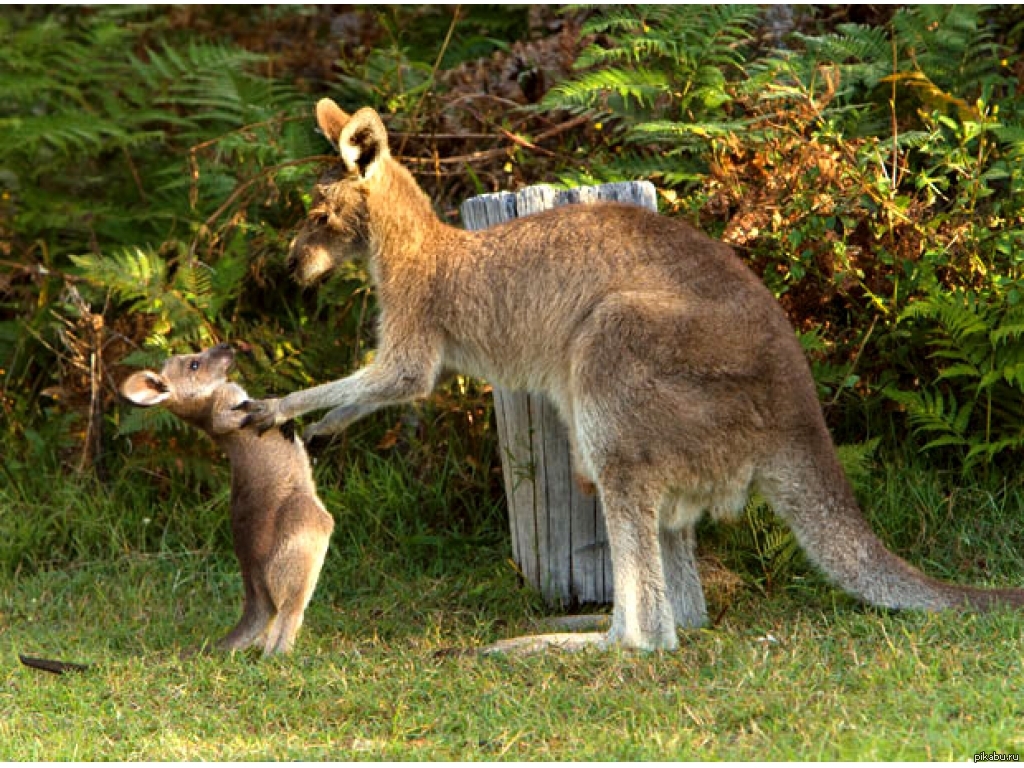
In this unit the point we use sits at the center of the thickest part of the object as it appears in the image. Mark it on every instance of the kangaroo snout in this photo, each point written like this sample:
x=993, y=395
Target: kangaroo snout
x=223, y=352
x=308, y=262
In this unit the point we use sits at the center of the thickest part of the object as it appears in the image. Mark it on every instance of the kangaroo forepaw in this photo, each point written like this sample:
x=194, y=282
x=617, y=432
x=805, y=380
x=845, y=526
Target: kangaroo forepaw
x=264, y=415
x=315, y=444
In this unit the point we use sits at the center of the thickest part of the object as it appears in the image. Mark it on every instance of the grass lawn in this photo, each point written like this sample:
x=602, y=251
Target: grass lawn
x=379, y=673
x=132, y=577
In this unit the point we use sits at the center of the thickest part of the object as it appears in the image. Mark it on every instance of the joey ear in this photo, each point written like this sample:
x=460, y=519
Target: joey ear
x=331, y=118
x=146, y=388
x=364, y=143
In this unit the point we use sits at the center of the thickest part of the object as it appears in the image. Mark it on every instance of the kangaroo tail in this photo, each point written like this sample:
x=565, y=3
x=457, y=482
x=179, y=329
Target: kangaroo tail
x=817, y=502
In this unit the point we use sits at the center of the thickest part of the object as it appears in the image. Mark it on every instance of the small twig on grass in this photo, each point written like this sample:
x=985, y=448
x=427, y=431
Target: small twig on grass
x=52, y=665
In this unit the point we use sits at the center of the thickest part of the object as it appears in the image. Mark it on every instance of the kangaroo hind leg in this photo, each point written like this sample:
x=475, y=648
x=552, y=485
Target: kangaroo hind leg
x=257, y=613
x=292, y=576
x=685, y=593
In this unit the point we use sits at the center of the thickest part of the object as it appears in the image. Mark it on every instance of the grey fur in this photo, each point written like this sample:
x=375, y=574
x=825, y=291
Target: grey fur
x=680, y=378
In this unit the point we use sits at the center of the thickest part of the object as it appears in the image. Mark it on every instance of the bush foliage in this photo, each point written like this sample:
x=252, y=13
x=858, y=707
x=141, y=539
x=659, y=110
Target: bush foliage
x=871, y=173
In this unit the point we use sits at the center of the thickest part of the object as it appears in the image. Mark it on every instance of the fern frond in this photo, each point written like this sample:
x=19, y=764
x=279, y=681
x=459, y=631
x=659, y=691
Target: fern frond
x=130, y=275
x=1007, y=332
x=988, y=450
x=863, y=54
x=857, y=458
x=959, y=314
x=156, y=420
x=615, y=19
x=946, y=441
x=194, y=280
x=665, y=130
x=950, y=43
x=587, y=90
x=931, y=413
x=961, y=370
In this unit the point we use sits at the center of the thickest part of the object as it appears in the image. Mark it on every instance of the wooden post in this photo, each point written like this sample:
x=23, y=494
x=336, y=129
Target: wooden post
x=558, y=534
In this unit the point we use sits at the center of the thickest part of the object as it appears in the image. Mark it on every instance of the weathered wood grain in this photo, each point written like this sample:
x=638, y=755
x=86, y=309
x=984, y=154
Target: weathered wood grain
x=558, y=534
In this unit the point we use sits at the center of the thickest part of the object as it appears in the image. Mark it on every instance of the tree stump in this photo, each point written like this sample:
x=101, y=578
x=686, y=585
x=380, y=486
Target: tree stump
x=558, y=535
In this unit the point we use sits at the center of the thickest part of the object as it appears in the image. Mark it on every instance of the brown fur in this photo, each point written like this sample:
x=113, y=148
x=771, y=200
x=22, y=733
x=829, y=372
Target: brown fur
x=676, y=371
x=280, y=527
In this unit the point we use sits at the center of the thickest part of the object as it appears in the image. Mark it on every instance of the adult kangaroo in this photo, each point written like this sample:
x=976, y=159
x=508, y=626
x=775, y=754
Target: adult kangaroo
x=679, y=376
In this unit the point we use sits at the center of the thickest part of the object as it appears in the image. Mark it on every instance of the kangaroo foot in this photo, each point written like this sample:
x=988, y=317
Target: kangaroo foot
x=558, y=641
x=584, y=622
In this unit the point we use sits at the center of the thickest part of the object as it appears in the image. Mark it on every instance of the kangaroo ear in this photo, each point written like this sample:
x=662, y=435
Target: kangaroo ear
x=363, y=143
x=146, y=388
x=331, y=118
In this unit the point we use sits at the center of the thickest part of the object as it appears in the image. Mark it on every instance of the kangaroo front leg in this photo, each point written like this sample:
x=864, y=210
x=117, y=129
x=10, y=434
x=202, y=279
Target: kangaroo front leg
x=393, y=379
x=336, y=421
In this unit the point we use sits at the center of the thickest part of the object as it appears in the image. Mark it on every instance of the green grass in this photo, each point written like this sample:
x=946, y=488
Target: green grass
x=384, y=670
x=375, y=676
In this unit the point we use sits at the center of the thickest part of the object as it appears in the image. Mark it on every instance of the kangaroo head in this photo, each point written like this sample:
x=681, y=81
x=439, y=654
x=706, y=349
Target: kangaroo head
x=335, y=230
x=186, y=385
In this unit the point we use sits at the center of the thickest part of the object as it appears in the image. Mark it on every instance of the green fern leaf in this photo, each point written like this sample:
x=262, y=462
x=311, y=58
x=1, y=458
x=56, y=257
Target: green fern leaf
x=1011, y=332
x=155, y=420
x=132, y=274
x=640, y=85
x=946, y=441
x=962, y=370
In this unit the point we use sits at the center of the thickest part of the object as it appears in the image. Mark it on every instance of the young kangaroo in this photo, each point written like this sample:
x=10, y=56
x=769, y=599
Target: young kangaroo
x=279, y=524
x=679, y=376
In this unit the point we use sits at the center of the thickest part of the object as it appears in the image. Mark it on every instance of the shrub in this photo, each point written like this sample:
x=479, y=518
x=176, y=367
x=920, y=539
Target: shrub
x=858, y=171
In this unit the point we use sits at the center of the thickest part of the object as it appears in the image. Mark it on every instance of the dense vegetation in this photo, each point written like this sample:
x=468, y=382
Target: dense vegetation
x=865, y=160
x=155, y=161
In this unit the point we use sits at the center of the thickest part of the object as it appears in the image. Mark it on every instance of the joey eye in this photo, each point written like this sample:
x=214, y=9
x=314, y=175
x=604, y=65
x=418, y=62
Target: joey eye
x=193, y=365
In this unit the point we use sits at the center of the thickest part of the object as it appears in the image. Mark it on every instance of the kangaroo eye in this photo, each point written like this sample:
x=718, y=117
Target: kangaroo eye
x=194, y=365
